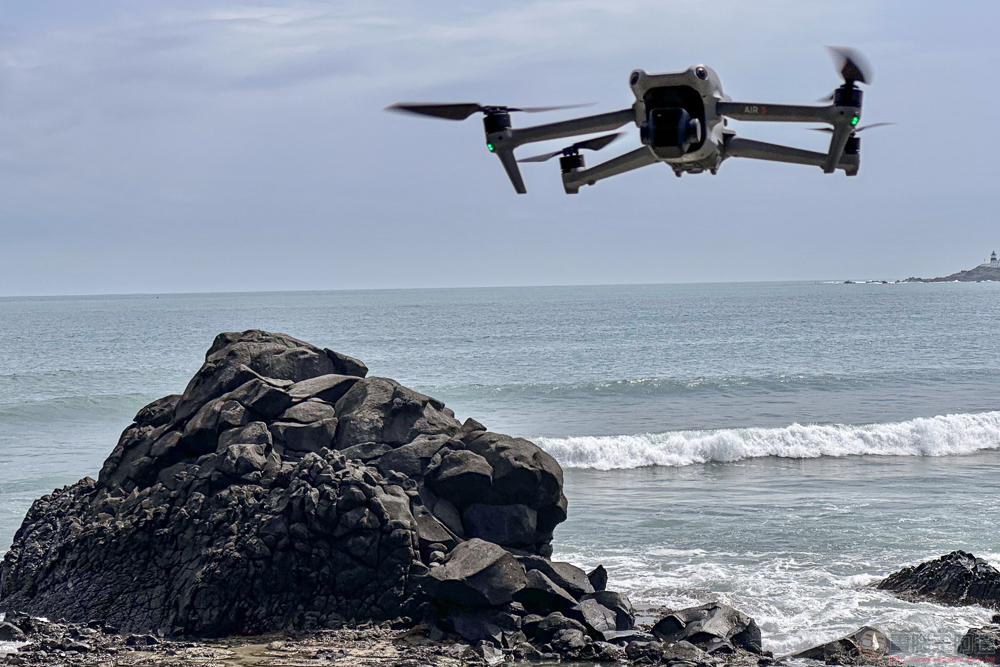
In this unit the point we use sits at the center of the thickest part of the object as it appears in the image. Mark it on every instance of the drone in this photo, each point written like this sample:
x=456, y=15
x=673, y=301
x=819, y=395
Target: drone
x=682, y=121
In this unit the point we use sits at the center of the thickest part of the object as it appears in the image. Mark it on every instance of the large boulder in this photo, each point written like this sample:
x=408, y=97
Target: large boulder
x=713, y=626
x=476, y=574
x=958, y=578
x=285, y=488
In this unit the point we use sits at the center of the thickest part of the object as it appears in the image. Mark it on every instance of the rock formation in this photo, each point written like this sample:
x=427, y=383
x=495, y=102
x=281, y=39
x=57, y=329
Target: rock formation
x=284, y=488
x=860, y=647
x=958, y=578
x=982, y=643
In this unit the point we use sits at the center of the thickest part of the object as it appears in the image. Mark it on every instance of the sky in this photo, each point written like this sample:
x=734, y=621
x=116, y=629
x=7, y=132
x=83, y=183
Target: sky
x=241, y=146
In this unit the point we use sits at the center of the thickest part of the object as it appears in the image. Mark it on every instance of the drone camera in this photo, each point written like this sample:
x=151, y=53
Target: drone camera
x=701, y=72
x=671, y=128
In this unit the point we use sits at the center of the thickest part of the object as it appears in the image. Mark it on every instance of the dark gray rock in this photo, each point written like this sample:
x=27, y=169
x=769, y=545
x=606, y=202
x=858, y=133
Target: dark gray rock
x=159, y=412
x=476, y=574
x=713, y=624
x=981, y=643
x=567, y=576
x=262, y=396
x=381, y=410
x=958, y=578
x=618, y=603
x=541, y=595
x=866, y=642
x=522, y=473
x=366, y=451
x=414, y=458
x=553, y=624
x=509, y=525
x=308, y=412
x=597, y=618
x=483, y=624
x=236, y=358
x=302, y=438
x=462, y=477
x=598, y=578
x=328, y=388
x=345, y=365
x=625, y=636
x=11, y=633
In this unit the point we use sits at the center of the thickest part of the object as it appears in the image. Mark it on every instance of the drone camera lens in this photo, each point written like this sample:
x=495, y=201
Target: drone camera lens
x=701, y=73
x=634, y=79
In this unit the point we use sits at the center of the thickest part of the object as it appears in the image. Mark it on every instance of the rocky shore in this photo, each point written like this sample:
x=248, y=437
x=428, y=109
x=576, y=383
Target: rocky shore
x=287, y=508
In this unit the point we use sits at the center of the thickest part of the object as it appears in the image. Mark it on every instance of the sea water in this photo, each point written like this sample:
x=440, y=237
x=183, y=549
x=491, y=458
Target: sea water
x=778, y=446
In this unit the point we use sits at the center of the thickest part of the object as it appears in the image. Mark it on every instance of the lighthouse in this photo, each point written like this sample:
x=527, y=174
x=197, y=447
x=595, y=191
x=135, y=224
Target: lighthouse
x=994, y=262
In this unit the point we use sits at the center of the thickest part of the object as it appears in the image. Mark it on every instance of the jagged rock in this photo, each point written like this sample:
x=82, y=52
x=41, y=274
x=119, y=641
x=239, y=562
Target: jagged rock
x=245, y=505
x=308, y=412
x=382, y=410
x=327, y=388
x=477, y=574
x=483, y=624
x=597, y=618
x=546, y=629
x=236, y=358
x=866, y=642
x=598, y=578
x=345, y=365
x=541, y=595
x=626, y=636
x=565, y=575
x=619, y=604
x=714, y=625
x=958, y=578
x=684, y=651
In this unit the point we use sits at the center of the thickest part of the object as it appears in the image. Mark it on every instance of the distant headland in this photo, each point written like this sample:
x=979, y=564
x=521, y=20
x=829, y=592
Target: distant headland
x=986, y=271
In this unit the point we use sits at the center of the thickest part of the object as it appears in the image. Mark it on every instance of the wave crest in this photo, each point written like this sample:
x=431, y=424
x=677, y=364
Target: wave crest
x=933, y=436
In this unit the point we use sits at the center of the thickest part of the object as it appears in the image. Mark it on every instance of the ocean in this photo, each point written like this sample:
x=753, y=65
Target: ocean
x=777, y=446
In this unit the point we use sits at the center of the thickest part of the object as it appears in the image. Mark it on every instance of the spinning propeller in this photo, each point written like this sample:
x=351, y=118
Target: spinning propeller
x=829, y=130
x=595, y=144
x=461, y=111
x=852, y=66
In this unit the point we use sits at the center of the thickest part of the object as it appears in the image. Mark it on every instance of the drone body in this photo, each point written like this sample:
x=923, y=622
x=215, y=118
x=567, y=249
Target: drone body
x=681, y=118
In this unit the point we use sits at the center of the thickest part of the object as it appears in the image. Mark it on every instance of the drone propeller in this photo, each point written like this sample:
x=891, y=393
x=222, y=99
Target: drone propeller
x=829, y=130
x=461, y=111
x=595, y=144
x=851, y=65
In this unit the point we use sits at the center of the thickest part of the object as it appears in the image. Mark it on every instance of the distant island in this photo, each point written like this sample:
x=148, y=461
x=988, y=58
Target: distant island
x=986, y=271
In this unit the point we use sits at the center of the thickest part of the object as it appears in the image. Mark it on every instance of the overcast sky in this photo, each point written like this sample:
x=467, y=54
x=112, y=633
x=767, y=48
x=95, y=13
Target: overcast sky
x=173, y=146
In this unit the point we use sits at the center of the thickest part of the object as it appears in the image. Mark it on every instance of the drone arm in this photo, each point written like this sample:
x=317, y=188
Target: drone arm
x=509, y=163
x=786, y=113
x=570, y=128
x=640, y=157
x=760, y=150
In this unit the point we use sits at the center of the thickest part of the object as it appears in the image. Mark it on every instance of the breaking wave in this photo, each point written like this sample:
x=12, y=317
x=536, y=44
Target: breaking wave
x=933, y=436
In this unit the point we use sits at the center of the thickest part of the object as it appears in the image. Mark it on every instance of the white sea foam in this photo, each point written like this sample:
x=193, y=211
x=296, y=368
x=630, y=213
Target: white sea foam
x=935, y=436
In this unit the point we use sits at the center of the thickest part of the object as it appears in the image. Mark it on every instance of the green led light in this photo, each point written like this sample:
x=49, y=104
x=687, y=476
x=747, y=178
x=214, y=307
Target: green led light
x=854, y=121
x=490, y=146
